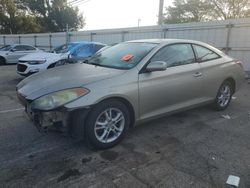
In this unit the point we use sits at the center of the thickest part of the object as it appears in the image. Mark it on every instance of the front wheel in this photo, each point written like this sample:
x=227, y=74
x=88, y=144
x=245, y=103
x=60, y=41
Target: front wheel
x=224, y=96
x=2, y=61
x=107, y=124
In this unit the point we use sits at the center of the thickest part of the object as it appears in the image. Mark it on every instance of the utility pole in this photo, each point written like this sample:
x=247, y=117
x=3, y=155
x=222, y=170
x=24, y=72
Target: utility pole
x=160, y=15
x=138, y=22
x=67, y=34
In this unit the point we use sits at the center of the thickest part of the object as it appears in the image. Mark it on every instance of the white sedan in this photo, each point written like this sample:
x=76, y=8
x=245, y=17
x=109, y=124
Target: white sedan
x=38, y=62
x=9, y=54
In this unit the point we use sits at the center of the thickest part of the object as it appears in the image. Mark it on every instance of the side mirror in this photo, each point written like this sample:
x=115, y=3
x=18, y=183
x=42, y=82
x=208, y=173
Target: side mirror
x=12, y=50
x=70, y=56
x=156, y=66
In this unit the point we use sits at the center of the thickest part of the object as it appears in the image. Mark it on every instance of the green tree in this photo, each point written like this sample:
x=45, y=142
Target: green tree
x=12, y=20
x=32, y=16
x=55, y=15
x=200, y=10
x=188, y=11
x=229, y=9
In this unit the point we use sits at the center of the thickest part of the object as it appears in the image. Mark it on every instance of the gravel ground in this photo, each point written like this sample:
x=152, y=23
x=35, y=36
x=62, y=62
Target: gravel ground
x=198, y=148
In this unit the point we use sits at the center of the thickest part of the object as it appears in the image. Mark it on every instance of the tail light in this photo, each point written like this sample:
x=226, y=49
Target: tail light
x=239, y=63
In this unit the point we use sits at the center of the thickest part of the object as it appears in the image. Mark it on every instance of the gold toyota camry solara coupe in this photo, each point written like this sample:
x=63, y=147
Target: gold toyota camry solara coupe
x=101, y=98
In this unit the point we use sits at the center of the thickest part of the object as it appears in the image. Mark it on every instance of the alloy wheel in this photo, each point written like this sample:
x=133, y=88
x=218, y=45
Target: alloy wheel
x=109, y=125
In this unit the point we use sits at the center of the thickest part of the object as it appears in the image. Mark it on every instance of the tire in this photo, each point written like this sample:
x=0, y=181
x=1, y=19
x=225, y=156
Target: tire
x=224, y=96
x=107, y=124
x=60, y=63
x=2, y=61
x=51, y=66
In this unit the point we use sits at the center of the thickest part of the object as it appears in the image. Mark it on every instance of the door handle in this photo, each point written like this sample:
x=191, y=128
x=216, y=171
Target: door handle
x=197, y=74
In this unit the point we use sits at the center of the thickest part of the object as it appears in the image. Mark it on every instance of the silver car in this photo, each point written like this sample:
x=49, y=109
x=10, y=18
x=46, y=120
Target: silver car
x=10, y=54
x=129, y=83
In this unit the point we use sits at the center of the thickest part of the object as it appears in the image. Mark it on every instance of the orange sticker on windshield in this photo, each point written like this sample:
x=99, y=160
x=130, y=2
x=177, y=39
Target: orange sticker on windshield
x=127, y=57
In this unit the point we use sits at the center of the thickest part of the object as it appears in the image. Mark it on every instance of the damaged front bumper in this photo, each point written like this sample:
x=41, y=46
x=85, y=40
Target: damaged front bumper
x=43, y=120
x=61, y=119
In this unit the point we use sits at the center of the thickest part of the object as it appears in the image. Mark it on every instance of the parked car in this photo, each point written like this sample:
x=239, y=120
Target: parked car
x=9, y=54
x=67, y=53
x=130, y=83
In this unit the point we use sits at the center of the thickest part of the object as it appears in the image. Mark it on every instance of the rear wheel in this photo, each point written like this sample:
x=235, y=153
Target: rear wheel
x=107, y=124
x=224, y=96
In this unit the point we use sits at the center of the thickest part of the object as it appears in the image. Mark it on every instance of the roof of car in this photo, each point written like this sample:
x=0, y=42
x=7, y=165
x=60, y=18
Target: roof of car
x=159, y=41
x=86, y=42
x=18, y=44
x=171, y=41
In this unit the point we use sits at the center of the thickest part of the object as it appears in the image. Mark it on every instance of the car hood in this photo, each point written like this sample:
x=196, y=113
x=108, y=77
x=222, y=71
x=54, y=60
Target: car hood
x=64, y=77
x=40, y=56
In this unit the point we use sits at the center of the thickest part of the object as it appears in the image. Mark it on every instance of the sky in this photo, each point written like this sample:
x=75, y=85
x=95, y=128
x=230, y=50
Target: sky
x=107, y=14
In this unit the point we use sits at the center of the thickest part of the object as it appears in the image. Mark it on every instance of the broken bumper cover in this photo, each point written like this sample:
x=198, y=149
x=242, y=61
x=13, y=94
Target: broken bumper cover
x=44, y=120
x=61, y=119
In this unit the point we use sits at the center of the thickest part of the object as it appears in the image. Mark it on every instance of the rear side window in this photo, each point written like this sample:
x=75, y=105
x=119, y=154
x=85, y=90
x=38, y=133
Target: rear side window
x=175, y=55
x=84, y=51
x=204, y=54
x=98, y=47
x=19, y=48
x=29, y=48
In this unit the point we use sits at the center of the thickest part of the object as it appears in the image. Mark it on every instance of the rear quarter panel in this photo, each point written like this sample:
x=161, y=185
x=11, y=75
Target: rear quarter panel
x=215, y=72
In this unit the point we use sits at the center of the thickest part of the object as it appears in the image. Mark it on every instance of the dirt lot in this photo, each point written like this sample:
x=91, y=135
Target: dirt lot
x=198, y=148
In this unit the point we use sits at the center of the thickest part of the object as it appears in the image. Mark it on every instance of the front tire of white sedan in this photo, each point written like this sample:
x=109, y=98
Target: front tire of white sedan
x=2, y=61
x=107, y=124
x=224, y=96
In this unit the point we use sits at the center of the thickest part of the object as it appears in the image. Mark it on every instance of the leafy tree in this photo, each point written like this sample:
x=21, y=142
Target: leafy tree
x=55, y=15
x=188, y=11
x=200, y=10
x=229, y=9
x=31, y=16
x=12, y=20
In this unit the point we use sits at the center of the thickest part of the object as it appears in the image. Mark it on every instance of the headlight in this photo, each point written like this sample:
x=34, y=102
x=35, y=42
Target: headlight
x=36, y=62
x=59, y=98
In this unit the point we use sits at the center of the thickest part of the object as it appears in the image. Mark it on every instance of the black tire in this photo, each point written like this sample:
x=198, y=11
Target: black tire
x=76, y=121
x=92, y=136
x=218, y=103
x=60, y=63
x=51, y=66
x=2, y=61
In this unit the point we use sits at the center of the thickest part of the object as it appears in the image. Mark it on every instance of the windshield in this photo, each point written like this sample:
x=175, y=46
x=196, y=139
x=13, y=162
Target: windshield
x=122, y=56
x=64, y=48
x=6, y=48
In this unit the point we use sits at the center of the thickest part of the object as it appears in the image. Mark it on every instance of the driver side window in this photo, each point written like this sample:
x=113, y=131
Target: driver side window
x=175, y=55
x=19, y=48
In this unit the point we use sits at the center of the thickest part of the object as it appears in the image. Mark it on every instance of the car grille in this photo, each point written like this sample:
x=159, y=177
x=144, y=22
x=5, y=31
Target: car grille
x=21, y=68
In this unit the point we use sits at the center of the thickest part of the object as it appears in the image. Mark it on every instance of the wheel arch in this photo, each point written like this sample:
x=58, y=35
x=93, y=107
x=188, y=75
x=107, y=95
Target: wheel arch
x=52, y=65
x=232, y=81
x=77, y=128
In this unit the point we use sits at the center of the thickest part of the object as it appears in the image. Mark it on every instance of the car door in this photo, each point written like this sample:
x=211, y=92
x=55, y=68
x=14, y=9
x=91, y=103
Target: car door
x=212, y=67
x=29, y=49
x=15, y=53
x=177, y=87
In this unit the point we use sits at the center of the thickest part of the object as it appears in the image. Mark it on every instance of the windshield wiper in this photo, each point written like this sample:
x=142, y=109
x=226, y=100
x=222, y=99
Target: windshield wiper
x=86, y=61
x=96, y=64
